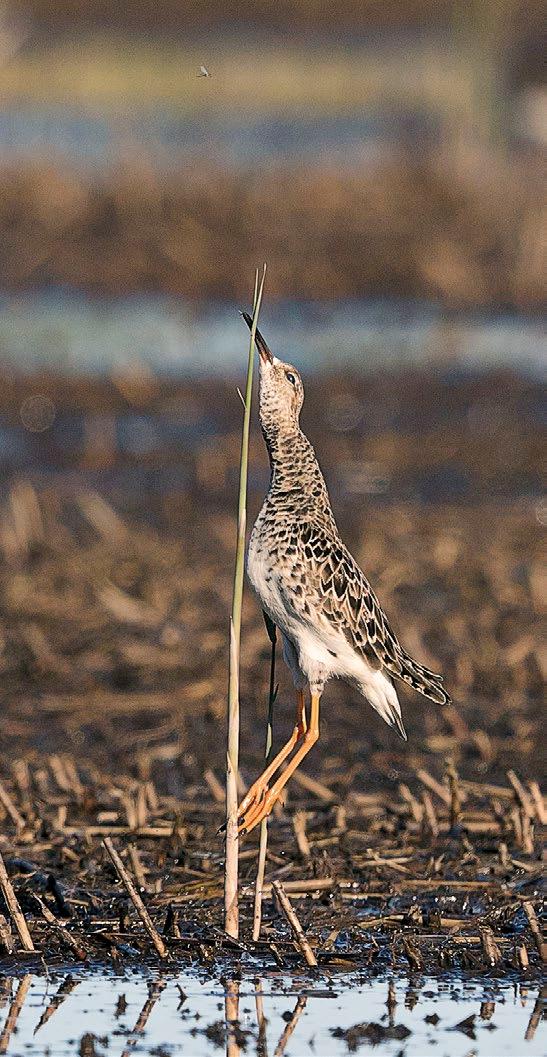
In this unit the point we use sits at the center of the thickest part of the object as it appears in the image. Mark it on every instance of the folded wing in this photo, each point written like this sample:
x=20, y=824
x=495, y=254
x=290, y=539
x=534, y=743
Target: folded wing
x=342, y=594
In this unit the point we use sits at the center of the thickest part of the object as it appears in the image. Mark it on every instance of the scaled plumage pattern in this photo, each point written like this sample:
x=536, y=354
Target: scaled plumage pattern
x=312, y=588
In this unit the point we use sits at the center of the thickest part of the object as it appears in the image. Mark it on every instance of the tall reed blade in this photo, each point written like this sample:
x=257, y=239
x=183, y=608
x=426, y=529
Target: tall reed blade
x=231, y=905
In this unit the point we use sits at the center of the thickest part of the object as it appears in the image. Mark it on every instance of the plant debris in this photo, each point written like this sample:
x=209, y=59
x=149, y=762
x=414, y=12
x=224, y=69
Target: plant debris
x=113, y=637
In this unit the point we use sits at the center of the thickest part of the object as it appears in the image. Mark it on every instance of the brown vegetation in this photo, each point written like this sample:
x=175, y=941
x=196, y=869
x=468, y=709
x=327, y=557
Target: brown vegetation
x=435, y=229
x=172, y=14
x=114, y=658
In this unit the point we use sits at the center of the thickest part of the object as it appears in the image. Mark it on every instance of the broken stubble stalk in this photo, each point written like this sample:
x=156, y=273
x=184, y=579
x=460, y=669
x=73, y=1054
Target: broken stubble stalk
x=231, y=905
x=263, y=843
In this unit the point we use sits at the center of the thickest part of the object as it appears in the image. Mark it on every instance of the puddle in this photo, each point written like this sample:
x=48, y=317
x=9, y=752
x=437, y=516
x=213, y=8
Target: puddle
x=101, y=1014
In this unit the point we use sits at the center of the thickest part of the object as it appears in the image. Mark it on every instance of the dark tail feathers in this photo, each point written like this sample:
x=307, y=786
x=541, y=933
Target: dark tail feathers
x=421, y=679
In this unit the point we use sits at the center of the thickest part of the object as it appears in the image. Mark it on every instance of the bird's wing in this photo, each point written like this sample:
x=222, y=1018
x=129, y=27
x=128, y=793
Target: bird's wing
x=328, y=583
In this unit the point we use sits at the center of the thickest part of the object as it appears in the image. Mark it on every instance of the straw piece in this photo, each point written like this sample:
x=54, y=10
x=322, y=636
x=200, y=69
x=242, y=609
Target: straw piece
x=259, y=883
x=429, y=815
x=491, y=950
x=455, y=794
x=102, y=517
x=136, y=865
x=413, y=955
x=522, y=796
x=316, y=884
x=535, y=930
x=68, y=938
x=16, y=913
x=299, y=826
x=294, y=923
x=416, y=808
x=539, y=805
x=9, y=806
x=5, y=935
x=263, y=842
x=135, y=898
x=428, y=780
x=311, y=785
x=215, y=788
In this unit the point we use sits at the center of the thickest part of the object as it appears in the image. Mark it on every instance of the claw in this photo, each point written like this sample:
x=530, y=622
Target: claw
x=260, y=812
x=255, y=806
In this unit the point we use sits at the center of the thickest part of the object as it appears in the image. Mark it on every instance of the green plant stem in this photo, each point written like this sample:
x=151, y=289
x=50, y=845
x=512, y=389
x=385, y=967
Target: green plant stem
x=231, y=907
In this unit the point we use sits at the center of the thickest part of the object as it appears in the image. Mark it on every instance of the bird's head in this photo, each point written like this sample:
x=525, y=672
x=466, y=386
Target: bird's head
x=281, y=389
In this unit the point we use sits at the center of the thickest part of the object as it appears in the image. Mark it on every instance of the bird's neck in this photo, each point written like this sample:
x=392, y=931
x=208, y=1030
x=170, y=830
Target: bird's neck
x=293, y=463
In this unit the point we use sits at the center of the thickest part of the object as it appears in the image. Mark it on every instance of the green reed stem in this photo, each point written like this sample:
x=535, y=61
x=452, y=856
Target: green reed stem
x=231, y=905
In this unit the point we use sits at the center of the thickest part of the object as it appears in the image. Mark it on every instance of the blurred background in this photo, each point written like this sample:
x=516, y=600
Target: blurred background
x=387, y=161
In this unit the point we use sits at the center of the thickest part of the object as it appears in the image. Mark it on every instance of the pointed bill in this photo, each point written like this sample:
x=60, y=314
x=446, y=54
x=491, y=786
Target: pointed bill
x=265, y=353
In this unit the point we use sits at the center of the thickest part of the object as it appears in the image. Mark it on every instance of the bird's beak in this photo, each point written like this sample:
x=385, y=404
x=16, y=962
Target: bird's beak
x=264, y=352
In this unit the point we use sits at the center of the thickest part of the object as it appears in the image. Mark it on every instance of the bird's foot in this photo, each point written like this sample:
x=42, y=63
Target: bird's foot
x=255, y=806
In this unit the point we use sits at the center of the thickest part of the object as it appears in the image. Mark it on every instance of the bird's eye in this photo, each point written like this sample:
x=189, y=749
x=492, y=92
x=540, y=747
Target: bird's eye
x=290, y=378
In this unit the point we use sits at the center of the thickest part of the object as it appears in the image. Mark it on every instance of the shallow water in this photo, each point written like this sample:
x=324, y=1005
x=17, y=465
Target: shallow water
x=185, y=1013
x=75, y=135
x=72, y=333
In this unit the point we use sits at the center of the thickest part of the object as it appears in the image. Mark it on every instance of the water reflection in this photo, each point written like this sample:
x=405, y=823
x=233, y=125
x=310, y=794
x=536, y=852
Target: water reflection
x=274, y=1015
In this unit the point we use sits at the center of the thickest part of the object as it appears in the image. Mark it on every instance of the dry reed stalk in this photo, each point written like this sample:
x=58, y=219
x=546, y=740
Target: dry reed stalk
x=521, y=795
x=299, y=827
x=431, y=783
x=535, y=930
x=5, y=935
x=537, y=799
x=490, y=948
x=296, y=927
x=10, y=808
x=312, y=785
x=77, y=948
x=231, y=906
x=135, y=898
x=263, y=843
x=455, y=794
x=215, y=787
x=523, y=960
x=429, y=819
x=12, y=904
x=136, y=866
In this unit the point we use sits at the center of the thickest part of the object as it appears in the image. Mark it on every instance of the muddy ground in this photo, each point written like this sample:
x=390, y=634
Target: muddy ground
x=114, y=598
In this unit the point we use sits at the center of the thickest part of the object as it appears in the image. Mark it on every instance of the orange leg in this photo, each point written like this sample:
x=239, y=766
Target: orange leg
x=260, y=806
x=258, y=790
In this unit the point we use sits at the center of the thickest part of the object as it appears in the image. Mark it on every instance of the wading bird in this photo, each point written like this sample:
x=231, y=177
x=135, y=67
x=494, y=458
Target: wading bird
x=311, y=588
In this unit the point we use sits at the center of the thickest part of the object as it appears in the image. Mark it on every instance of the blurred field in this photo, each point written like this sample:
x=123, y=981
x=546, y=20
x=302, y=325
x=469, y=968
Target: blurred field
x=409, y=227
x=386, y=161
x=113, y=72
